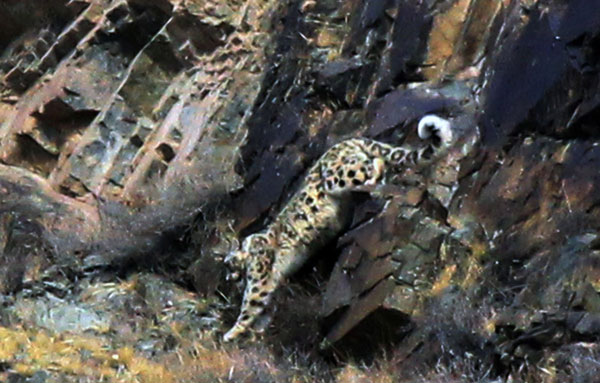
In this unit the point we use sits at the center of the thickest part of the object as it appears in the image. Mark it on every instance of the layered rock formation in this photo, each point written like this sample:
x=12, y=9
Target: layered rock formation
x=140, y=137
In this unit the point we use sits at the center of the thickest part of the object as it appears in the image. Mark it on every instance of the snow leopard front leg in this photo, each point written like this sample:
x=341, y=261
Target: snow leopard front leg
x=260, y=285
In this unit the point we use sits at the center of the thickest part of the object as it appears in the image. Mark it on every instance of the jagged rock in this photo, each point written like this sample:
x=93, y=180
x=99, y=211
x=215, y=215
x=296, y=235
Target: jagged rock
x=401, y=106
x=143, y=135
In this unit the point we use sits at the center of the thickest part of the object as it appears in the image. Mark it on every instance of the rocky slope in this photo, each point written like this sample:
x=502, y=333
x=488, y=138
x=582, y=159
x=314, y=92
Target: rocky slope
x=139, y=138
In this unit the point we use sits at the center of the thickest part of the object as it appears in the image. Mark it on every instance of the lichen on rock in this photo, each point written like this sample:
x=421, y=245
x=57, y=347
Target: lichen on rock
x=139, y=139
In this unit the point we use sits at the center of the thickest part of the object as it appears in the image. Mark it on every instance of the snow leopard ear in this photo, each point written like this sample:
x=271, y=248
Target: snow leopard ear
x=432, y=125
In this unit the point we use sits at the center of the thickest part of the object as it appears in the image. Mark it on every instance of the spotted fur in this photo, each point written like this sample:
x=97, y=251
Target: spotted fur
x=317, y=213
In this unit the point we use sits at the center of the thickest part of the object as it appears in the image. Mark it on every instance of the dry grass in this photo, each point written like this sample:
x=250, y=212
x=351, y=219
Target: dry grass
x=28, y=351
x=202, y=360
x=194, y=359
x=354, y=374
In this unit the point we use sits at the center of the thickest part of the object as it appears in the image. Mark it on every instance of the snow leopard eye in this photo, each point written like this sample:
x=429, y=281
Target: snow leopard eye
x=235, y=263
x=234, y=266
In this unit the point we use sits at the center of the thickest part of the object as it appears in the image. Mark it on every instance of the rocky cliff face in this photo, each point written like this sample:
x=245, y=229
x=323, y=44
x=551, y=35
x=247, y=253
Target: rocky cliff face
x=138, y=138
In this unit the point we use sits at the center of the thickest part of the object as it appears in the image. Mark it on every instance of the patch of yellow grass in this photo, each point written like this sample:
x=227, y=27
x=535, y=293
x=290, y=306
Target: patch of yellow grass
x=353, y=374
x=443, y=280
x=29, y=351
